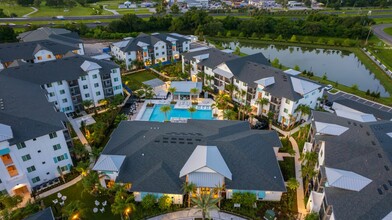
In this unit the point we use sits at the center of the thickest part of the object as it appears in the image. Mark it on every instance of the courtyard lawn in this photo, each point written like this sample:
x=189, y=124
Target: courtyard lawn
x=75, y=193
x=15, y=8
x=135, y=80
x=45, y=11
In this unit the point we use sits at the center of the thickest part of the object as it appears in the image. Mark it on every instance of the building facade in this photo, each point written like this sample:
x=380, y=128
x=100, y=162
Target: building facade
x=150, y=49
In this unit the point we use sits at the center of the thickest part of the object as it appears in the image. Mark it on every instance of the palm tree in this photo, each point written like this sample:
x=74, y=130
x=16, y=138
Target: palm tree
x=292, y=184
x=222, y=101
x=191, y=110
x=74, y=210
x=247, y=110
x=309, y=160
x=82, y=167
x=201, y=75
x=240, y=97
x=231, y=88
x=262, y=102
x=194, y=91
x=172, y=90
x=87, y=104
x=205, y=203
x=165, y=109
x=303, y=109
x=188, y=188
x=229, y=114
x=218, y=189
x=123, y=204
x=270, y=116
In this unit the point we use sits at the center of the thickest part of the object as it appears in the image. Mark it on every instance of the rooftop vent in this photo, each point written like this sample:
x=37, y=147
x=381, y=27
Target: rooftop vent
x=349, y=122
x=386, y=168
x=379, y=155
x=379, y=191
x=390, y=182
x=385, y=186
x=367, y=133
x=355, y=124
x=374, y=143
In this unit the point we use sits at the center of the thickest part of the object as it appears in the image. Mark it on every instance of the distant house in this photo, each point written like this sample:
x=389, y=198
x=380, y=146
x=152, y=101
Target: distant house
x=150, y=49
x=57, y=35
x=158, y=158
x=33, y=52
x=354, y=179
x=255, y=79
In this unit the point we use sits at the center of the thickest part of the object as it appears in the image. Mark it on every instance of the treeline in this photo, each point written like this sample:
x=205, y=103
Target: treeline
x=198, y=22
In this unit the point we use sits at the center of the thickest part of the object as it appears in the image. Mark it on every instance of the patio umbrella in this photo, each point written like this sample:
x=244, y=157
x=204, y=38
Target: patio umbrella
x=269, y=215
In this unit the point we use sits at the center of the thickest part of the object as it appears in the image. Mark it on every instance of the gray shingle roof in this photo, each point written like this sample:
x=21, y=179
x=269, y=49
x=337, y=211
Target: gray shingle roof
x=151, y=40
x=364, y=149
x=156, y=152
x=26, y=50
x=48, y=72
x=383, y=115
x=215, y=58
x=58, y=35
x=45, y=214
x=27, y=110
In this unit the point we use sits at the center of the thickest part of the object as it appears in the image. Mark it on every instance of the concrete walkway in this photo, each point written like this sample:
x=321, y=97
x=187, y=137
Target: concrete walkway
x=59, y=188
x=79, y=133
x=110, y=10
x=287, y=133
x=190, y=214
x=28, y=14
x=298, y=176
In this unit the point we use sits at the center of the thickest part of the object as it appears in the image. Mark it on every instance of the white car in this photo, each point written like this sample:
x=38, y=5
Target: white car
x=328, y=87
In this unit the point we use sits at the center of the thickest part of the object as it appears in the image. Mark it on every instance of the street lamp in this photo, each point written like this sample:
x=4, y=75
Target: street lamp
x=76, y=216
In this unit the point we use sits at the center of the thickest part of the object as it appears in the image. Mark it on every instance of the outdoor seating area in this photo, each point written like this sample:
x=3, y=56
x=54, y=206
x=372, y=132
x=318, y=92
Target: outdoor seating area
x=97, y=204
x=183, y=105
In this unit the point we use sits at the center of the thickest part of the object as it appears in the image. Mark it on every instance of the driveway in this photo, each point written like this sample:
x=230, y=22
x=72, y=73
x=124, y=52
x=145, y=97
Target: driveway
x=378, y=30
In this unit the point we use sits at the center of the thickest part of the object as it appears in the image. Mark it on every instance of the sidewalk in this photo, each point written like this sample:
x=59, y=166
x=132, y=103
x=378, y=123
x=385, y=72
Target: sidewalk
x=110, y=10
x=28, y=14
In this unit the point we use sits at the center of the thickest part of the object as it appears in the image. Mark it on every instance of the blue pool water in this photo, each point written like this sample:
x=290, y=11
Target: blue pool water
x=157, y=115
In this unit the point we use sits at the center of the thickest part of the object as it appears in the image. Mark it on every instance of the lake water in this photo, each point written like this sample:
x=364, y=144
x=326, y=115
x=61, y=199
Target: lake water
x=338, y=65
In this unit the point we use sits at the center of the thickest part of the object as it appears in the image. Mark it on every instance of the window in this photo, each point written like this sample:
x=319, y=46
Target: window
x=64, y=100
x=313, y=93
x=117, y=87
x=57, y=147
x=69, y=108
x=163, y=59
x=60, y=158
x=35, y=179
x=26, y=157
x=237, y=81
x=59, y=83
x=64, y=168
x=96, y=85
x=43, y=162
x=156, y=48
x=49, y=85
x=52, y=135
x=48, y=56
x=83, y=78
x=163, y=53
x=285, y=110
x=94, y=76
x=30, y=169
x=21, y=145
x=306, y=96
x=267, y=94
x=287, y=101
x=157, y=54
x=115, y=79
x=87, y=95
x=85, y=87
x=51, y=94
x=62, y=91
x=39, y=58
x=98, y=93
x=163, y=47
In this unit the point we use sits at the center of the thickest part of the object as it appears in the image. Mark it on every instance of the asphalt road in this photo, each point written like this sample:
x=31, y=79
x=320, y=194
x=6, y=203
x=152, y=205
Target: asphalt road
x=378, y=30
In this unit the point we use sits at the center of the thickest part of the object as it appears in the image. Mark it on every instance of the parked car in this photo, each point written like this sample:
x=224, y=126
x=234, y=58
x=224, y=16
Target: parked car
x=328, y=87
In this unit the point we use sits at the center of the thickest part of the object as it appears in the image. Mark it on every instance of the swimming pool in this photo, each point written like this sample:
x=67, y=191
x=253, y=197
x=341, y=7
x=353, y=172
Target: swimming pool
x=155, y=114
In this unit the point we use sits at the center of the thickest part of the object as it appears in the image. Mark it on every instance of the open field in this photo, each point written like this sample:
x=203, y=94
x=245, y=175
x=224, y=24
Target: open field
x=45, y=11
x=17, y=9
x=388, y=31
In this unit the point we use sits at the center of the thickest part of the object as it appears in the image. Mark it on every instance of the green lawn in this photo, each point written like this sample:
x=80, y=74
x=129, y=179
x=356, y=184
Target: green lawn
x=133, y=11
x=388, y=31
x=17, y=9
x=134, y=81
x=74, y=193
x=45, y=11
x=383, y=20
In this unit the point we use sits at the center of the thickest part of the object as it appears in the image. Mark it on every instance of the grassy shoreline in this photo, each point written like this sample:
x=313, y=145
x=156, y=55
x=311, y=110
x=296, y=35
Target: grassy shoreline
x=384, y=79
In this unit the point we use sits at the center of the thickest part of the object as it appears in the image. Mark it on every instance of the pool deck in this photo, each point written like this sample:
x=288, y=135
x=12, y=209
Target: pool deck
x=203, y=104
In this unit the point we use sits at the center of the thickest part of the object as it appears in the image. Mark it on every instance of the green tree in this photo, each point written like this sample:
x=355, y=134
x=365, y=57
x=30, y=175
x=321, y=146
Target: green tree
x=331, y=42
x=312, y=216
x=293, y=38
x=205, y=203
x=82, y=167
x=194, y=91
x=354, y=87
x=241, y=35
x=148, y=201
x=91, y=183
x=292, y=184
x=246, y=199
x=74, y=210
x=296, y=67
x=254, y=35
x=7, y=34
x=164, y=203
x=165, y=109
x=188, y=189
x=303, y=110
x=279, y=38
x=320, y=41
x=37, y=3
x=192, y=110
x=261, y=102
x=87, y=104
x=123, y=204
x=324, y=77
x=229, y=114
x=175, y=9
x=228, y=34
x=172, y=90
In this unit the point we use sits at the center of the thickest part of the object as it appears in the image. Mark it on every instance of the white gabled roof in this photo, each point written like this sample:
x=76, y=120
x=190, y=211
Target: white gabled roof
x=206, y=157
x=266, y=81
x=302, y=86
x=292, y=72
x=121, y=44
x=331, y=129
x=5, y=132
x=202, y=56
x=109, y=162
x=361, y=117
x=142, y=44
x=185, y=86
x=88, y=66
x=171, y=39
x=389, y=134
x=346, y=179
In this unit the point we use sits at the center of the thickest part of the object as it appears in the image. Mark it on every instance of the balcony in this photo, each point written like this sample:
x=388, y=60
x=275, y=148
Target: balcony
x=275, y=100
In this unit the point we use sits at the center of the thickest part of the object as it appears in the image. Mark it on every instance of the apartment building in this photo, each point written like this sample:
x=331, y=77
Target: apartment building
x=34, y=139
x=254, y=79
x=33, y=52
x=157, y=158
x=71, y=80
x=56, y=35
x=150, y=49
x=354, y=178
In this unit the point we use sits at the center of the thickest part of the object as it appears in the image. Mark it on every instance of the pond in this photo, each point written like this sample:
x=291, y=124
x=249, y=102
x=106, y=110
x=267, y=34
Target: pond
x=339, y=65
